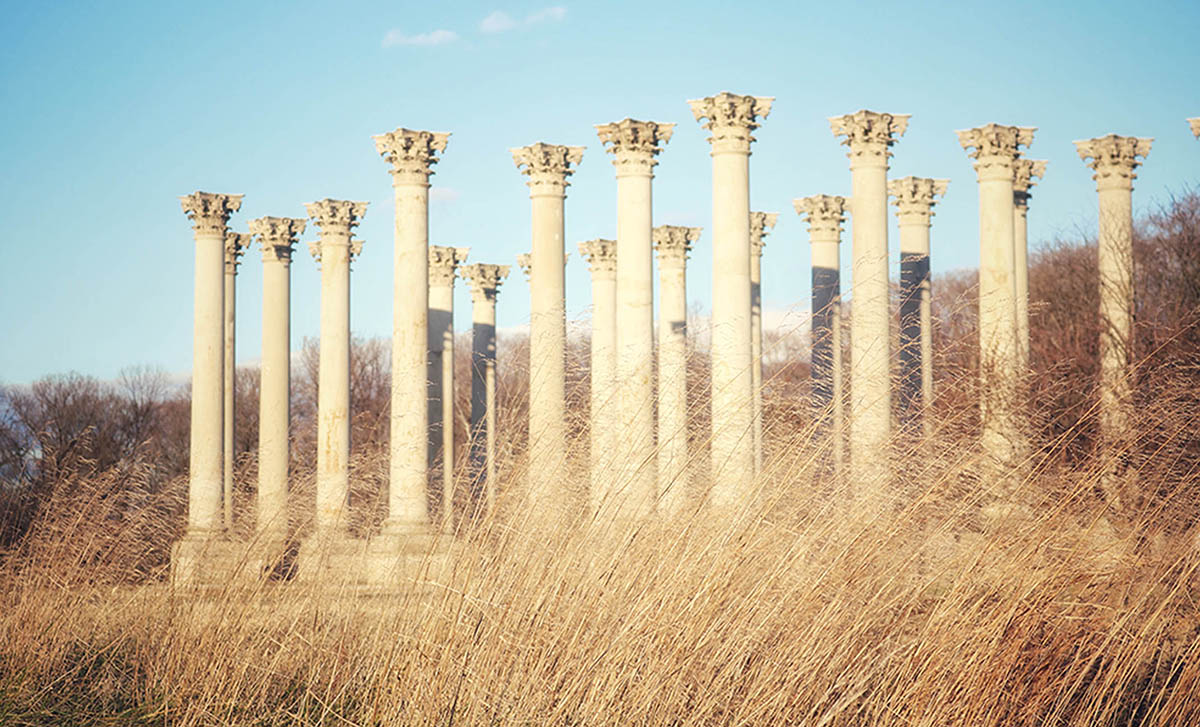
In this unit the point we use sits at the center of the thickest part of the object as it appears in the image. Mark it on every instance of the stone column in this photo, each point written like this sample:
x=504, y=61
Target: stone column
x=276, y=236
x=730, y=118
x=547, y=167
x=443, y=266
x=484, y=281
x=672, y=243
x=209, y=214
x=825, y=215
x=1024, y=171
x=334, y=252
x=411, y=154
x=760, y=224
x=235, y=246
x=601, y=256
x=914, y=200
x=1114, y=159
x=869, y=135
x=996, y=149
x=634, y=144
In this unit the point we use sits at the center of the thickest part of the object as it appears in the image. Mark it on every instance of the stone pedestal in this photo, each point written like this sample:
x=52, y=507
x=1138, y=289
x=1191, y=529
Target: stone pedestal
x=235, y=246
x=672, y=243
x=825, y=215
x=443, y=265
x=1002, y=432
x=601, y=256
x=334, y=252
x=411, y=155
x=914, y=198
x=634, y=145
x=547, y=167
x=869, y=135
x=1114, y=159
x=730, y=119
x=276, y=236
x=1024, y=171
x=484, y=281
x=209, y=214
x=760, y=224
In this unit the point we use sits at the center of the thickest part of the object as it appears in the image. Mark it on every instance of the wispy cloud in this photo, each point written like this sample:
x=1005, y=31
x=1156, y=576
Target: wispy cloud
x=499, y=21
x=434, y=37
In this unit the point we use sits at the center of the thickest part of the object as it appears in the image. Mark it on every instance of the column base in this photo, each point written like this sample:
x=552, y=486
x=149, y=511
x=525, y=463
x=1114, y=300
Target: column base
x=392, y=561
x=208, y=560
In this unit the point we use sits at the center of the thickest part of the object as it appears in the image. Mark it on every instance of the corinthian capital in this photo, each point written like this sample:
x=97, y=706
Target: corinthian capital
x=210, y=212
x=235, y=246
x=914, y=197
x=824, y=213
x=547, y=166
x=277, y=236
x=411, y=153
x=1195, y=124
x=601, y=255
x=1024, y=172
x=730, y=118
x=673, y=242
x=525, y=261
x=443, y=262
x=336, y=216
x=1113, y=158
x=995, y=147
x=484, y=280
x=761, y=223
x=634, y=143
x=869, y=134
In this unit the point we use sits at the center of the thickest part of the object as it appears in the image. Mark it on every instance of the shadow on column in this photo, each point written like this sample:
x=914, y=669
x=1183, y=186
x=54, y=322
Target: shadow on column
x=483, y=360
x=914, y=277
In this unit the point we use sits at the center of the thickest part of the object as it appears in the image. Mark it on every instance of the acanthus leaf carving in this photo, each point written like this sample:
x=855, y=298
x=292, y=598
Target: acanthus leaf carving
x=761, y=223
x=601, y=255
x=412, y=154
x=731, y=118
x=336, y=216
x=824, y=213
x=277, y=236
x=869, y=134
x=1113, y=157
x=236, y=244
x=634, y=144
x=674, y=242
x=915, y=197
x=995, y=147
x=484, y=280
x=547, y=165
x=209, y=212
x=444, y=262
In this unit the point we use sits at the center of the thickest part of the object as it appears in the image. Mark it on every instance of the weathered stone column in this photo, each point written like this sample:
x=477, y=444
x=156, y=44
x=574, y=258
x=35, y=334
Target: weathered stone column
x=634, y=145
x=869, y=135
x=484, y=281
x=334, y=252
x=235, y=246
x=1024, y=170
x=825, y=215
x=443, y=266
x=601, y=256
x=730, y=118
x=672, y=243
x=760, y=224
x=209, y=214
x=548, y=167
x=914, y=200
x=411, y=154
x=276, y=236
x=996, y=149
x=1114, y=159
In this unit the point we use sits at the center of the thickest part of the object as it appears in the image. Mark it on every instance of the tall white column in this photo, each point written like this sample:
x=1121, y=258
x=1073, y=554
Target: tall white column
x=760, y=224
x=730, y=118
x=672, y=243
x=209, y=214
x=601, y=256
x=914, y=198
x=443, y=267
x=547, y=166
x=995, y=149
x=634, y=145
x=411, y=154
x=1024, y=171
x=825, y=215
x=235, y=246
x=869, y=135
x=484, y=281
x=276, y=236
x=334, y=253
x=1114, y=159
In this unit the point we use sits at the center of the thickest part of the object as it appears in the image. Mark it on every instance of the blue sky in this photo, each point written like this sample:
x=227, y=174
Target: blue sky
x=113, y=110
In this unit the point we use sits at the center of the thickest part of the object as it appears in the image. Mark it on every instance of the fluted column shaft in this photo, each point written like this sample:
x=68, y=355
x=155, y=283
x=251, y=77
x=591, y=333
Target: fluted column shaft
x=731, y=118
x=209, y=214
x=602, y=260
x=411, y=154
